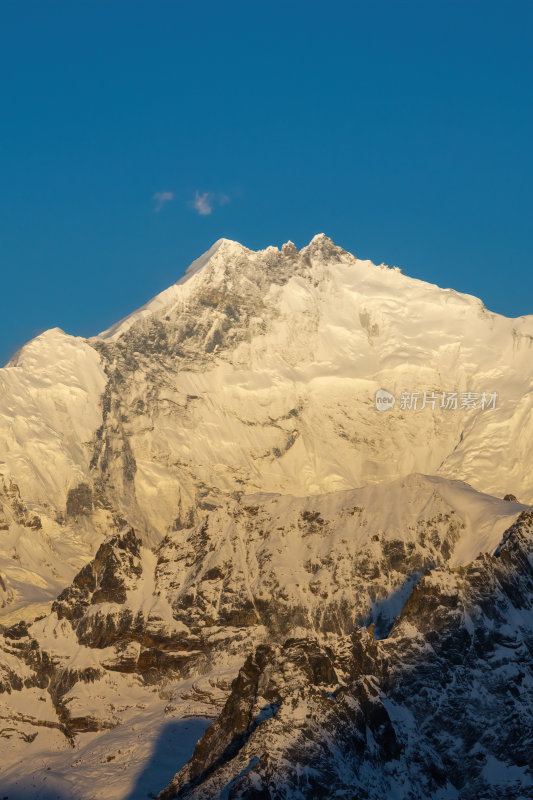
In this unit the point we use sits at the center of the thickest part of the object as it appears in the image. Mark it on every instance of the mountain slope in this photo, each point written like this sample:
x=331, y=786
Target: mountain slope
x=50, y=405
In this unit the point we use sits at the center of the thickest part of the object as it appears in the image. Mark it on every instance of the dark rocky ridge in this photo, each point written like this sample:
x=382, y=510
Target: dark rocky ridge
x=442, y=708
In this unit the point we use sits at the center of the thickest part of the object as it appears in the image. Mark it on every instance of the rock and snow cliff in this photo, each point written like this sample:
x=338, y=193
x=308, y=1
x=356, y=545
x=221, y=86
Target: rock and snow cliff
x=167, y=630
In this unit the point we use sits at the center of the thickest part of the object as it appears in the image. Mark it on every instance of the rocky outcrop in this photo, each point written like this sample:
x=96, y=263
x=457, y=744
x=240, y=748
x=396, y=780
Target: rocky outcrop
x=6, y=594
x=106, y=579
x=79, y=500
x=13, y=509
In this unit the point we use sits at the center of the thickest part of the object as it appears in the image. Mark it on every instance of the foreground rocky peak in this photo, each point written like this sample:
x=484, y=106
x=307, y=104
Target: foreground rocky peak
x=442, y=708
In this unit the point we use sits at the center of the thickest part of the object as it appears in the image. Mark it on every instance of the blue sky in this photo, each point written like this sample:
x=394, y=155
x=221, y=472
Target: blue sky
x=402, y=130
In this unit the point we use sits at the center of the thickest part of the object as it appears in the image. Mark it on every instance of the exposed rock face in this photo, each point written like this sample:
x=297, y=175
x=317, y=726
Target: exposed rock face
x=442, y=708
x=12, y=508
x=79, y=500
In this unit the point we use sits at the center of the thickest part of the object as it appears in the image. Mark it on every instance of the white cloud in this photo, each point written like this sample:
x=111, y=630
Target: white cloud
x=204, y=203
x=161, y=198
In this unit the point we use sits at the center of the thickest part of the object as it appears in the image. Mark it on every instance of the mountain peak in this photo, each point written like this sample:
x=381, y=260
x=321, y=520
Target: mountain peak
x=222, y=247
x=322, y=245
x=218, y=256
x=320, y=237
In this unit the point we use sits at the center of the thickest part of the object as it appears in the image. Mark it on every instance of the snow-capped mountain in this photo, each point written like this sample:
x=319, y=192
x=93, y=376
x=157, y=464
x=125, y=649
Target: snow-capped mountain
x=257, y=371
x=205, y=513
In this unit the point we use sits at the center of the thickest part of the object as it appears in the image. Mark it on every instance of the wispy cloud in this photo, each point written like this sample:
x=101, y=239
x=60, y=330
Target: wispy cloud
x=204, y=202
x=161, y=198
